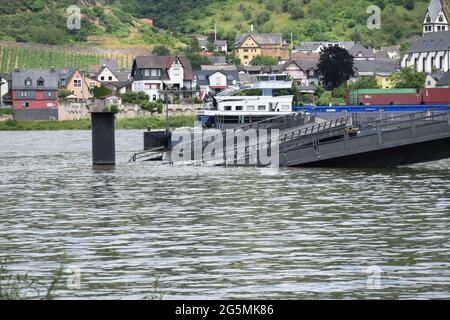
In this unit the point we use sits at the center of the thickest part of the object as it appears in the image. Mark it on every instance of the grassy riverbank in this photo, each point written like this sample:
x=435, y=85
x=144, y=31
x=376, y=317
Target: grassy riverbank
x=135, y=123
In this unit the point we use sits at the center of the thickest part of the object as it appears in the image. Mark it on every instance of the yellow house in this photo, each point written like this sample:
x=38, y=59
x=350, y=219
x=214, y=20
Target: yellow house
x=383, y=81
x=248, y=46
x=248, y=50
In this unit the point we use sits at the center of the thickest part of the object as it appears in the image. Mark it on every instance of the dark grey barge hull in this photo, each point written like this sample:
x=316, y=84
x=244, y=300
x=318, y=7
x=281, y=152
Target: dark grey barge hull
x=391, y=157
x=404, y=140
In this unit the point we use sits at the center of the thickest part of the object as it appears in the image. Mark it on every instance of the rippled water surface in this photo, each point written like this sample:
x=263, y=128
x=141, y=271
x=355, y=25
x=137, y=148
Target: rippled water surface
x=211, y=232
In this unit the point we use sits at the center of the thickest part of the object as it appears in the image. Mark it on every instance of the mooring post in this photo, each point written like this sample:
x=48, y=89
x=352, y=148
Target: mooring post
x=103, y=138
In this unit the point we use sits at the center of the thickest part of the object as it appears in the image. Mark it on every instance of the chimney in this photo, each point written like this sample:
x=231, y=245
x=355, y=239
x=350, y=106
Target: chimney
x=252, y=27
x=52, y=69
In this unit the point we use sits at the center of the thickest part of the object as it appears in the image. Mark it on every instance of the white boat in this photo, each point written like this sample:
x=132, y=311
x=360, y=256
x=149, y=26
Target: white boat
x=229, y=109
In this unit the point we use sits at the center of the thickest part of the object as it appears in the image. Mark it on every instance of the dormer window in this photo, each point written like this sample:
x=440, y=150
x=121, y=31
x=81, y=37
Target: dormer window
x=28, y=82
x=441, y=18
x=40, y=82
x=428, y=19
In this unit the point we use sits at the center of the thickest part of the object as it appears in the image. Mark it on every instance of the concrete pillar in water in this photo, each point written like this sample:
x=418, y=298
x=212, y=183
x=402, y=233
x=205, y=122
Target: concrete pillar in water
x=103, y=138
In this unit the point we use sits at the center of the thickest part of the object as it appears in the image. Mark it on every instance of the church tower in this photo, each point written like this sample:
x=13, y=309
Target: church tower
x=436, y=20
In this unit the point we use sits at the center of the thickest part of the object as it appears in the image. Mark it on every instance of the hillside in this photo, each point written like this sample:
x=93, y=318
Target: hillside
x=116, y=23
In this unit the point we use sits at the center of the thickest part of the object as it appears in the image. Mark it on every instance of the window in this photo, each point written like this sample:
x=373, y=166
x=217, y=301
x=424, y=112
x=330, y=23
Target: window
x=245, y=57
x=110, y=78
x=441, y=18
x=227, y=108
x=102, y=78
x=230, y=77
x=239, y=108
x=147, y=72
x=261, y=108
x=28, y=82
x=40, y=82
x=77, y=83
x=245, y=50
x=424, y=64
x=155, y=72
x=23, y=94
x=154, y=97
x=25, y=104
x=250, y=108
x=201, y=77
x=49, y=94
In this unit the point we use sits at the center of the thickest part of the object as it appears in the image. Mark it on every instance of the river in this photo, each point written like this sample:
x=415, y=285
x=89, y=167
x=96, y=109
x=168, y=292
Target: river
x=219, y=233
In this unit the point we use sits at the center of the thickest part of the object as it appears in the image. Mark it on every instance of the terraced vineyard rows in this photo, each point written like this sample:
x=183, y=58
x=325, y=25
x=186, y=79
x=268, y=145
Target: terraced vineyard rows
x=11, y=58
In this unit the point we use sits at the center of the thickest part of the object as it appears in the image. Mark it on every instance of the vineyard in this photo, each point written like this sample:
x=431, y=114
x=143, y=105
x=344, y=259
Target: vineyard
x=12, y=58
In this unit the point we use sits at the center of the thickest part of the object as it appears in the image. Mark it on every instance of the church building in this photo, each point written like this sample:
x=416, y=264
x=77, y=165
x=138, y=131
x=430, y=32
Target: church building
x=431, y=52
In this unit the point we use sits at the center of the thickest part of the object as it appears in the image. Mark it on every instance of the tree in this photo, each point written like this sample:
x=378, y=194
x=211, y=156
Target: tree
x=365, y=83
x=408, y=78
x=336, y=66
x=100, y=92
x=264, y=61
x=161, y=51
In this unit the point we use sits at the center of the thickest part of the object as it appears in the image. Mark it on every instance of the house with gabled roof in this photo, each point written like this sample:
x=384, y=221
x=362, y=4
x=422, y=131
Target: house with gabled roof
x=305, y=73
x=250, y=45
x=35, y=94
x=212, y=82
x=164, y=77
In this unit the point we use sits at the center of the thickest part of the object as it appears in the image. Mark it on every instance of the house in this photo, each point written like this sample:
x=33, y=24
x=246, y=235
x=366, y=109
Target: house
x=35, y=94
x=79, y=85
x=380, y=69
x=444, y=81
x=359, y=52
x=305, y=73
x=202, y=42
x=212, y=82
x=317, y=46
x=391, y=52
x=246, y=72
x=218, y=60
x=432, y=80
x=221, y=46
x=118, y=87
x=251, y=45
x=4, y=88
x=166, y=77
x=436, y=19
x=430, y=53
x=105, y=74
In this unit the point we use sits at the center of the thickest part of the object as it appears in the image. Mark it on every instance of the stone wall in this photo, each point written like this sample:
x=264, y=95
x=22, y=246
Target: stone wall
x=76, y=111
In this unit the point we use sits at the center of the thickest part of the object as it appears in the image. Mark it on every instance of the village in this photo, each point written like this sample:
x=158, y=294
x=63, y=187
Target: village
x=170, y=85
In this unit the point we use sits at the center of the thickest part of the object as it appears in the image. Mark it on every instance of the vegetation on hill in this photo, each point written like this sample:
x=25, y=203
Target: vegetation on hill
x=118, y=22
x=37, y=58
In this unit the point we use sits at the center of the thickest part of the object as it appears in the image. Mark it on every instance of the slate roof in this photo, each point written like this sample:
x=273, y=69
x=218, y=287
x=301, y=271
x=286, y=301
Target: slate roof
x=359, y=48
x=314, y=45
x=220, y=42
x=117, y=84
x=50, y=78
x=430, y=42
x=303, y=64
x=261, y=38
x=164, y=62
x=218, y=59
x=203, y=76
x=434, y=8
x=112, y=64
x=445, y=80
x=376, y=66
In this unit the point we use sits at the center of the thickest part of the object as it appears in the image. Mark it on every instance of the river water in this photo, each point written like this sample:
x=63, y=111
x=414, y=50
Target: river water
x=212, y=232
